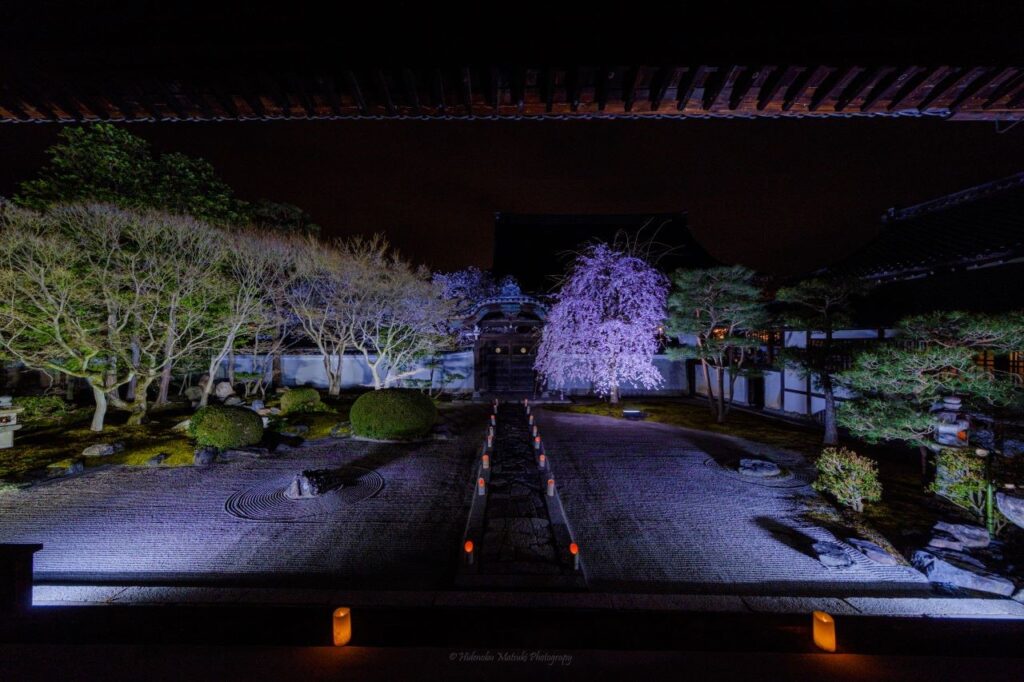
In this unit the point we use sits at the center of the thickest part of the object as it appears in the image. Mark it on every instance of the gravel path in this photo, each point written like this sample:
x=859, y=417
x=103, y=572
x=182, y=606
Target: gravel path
x=659, y=508
x=396, y=523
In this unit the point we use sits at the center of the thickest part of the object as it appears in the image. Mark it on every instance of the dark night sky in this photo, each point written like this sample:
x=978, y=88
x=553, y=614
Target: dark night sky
x=782, y=196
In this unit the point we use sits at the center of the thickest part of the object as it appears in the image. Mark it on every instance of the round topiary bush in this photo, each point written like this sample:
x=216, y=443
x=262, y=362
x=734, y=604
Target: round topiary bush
x=303, y=399
x=225, y=427
x=393, y=414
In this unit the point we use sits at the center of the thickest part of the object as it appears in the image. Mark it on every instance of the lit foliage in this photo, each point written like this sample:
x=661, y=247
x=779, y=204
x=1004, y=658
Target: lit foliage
x=224, y=427
x=393, y=414
x=467, y=287
x=962, y=477
x=899, y=383
x=104, y=163
x=819, y=305
x=712, y=310
x=604, y=325
x=848, y=477
x=108, y=295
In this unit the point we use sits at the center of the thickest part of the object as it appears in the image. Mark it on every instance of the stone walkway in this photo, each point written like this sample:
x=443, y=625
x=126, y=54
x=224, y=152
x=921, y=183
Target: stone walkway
x=657, y=508
x=518, y=536
x=228, y=524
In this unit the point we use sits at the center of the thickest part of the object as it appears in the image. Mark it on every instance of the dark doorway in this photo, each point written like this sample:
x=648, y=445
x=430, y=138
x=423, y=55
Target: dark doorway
x=507, y=367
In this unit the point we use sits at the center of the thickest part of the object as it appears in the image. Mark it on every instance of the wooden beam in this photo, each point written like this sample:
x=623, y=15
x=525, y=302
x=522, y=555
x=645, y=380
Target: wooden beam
x=574, y=86
x=466, y=87
x=494, y=89
x=797, y=88
x=329, y=90
x=384, y=91
x=969, y=88
x=664, y=78
x=694, y=77
x=833, y=86
x=722, y=85
x=357, y=92
x=941, y=88
x=882, y=87
x=437, y=91
x=548, y=89
x=293, y=83
x=770, y=87
x=742, y=86
x=601, y=80
x=859, y=86
x=910, y=88
x=1006, y=90
x=412, y=95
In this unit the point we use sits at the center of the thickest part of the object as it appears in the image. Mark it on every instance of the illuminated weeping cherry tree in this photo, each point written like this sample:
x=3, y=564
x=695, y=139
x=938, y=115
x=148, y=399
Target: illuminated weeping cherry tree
x=604, y=325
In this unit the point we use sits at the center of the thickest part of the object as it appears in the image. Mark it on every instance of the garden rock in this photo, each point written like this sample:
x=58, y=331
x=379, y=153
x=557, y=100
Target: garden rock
x=1013, y=447
x=341, y=430
x=294, y=431
x=945, y=541
x=313, y=483
x=223, y=389
x=759, y=468
x=233, y=400
x=873, y=552
x=257, y=405
x=960, y=570
x=832, y=554
x=194, y=393
x=157, y=460
x=71, y=468
x=1012, y=507
x=972, y=537
x=1019, y=596
x=103, y=449
x=204, y=456
x=181, y=427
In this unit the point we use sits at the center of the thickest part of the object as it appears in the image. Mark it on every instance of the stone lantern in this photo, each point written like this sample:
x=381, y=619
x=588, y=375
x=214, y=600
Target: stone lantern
x=8, y=421
x=952, y=429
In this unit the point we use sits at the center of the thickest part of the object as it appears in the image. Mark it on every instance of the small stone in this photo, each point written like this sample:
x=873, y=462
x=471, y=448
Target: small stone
x=971, y=536
x=194, y=393
x=103, y=449
x=832, y=555
x=759, y=468
x=257, y=405
x=1013, y=447
x=1012, y=507
x=960, y=570
x=205, y=456
x=181, y=426
x=223, y=389
x=946, y=541
x=233, y=400
x=873, y=552
x=341, y=430
x=157, y=460
x=1019, y=595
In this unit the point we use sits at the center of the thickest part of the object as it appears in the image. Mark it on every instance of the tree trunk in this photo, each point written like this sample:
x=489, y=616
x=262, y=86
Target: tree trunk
x=165, y=373
x=707, y=384
x=165, y=385
x=69, y=388
x=231, y=365
x=720, y=414
x=831, y=428
x=129, y=393
x=613, y=397
x=100, y=411
x=924, y=461
x=275, y=372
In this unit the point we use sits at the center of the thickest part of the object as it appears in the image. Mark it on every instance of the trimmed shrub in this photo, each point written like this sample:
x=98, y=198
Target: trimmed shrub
x=39, y=407
x=303, y=399
x=393, y=414
x=960, y=478
x=225, y=427
x=848, y=477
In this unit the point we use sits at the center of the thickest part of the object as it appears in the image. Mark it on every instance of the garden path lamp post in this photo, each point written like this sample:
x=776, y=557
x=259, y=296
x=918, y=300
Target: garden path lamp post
x=8, y=421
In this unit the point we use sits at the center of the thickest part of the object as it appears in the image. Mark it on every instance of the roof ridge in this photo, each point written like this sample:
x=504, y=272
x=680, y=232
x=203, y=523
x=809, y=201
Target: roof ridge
x=963, y=196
